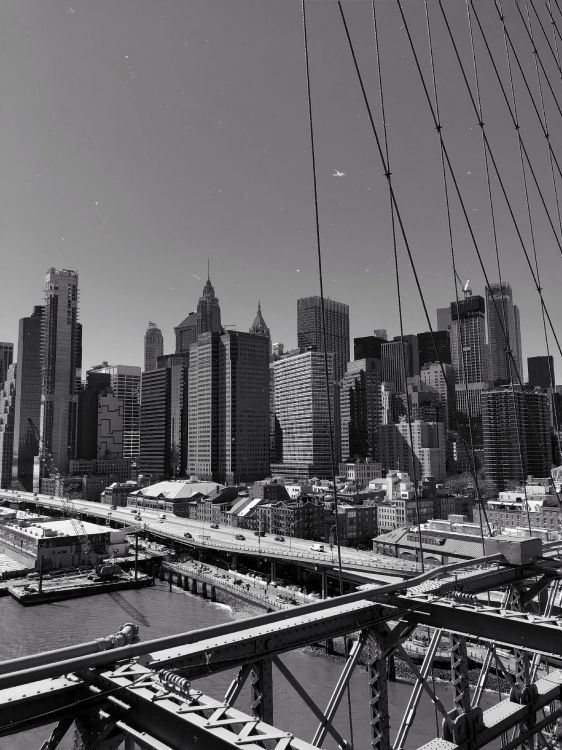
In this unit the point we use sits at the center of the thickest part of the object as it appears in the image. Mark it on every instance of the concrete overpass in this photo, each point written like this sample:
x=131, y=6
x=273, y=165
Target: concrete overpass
x=173, y=529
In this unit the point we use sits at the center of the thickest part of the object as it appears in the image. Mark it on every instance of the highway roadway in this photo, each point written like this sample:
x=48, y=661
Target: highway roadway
x=224, y=537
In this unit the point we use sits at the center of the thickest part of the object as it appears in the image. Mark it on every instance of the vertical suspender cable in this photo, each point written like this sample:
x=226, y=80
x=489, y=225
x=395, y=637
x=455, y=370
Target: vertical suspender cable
x=460, y=348
x=398, y=290
x=329, y=380
x=508, y=350
x=397, y=211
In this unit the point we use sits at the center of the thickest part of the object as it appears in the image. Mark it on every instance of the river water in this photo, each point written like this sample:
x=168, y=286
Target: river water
x=159, y=612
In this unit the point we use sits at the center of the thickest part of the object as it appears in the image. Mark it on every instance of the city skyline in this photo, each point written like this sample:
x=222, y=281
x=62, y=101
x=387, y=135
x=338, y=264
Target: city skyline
x=143, y=141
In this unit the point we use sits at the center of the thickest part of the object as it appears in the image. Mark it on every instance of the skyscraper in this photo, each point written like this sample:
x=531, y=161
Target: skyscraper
x=514, y=419
x=434, y=347
x=443, y=318
x=28, y=399
x=442, y=381
x=503, y=314
x=367, y=347
x=360, y=409
x=228, y=412
x=6, y=358
x=125, y=384
x=395, y=363
x=60, y=366
x=7, y=409
x=259, y=326
x=309, y=329
x=88, y=405
x=541, y=371
x=428, y=440
x=208, y=311
x=155, y=457
x=301, y=408
x=469, y=352
x=178, y=364
x=153, y=346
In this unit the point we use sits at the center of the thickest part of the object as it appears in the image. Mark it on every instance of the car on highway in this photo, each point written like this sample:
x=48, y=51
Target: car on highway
x=318, y=548
x=240, y=537
x=214, y=526
x=187, y=535
x=279, y=538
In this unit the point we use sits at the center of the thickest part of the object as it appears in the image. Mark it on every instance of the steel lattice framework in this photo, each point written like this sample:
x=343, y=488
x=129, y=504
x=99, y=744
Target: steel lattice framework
x=119, y=687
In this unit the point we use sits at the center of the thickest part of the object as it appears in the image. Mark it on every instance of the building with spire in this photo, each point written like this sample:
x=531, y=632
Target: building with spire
x=208, y=310
x=153, y=346
x=259, y=326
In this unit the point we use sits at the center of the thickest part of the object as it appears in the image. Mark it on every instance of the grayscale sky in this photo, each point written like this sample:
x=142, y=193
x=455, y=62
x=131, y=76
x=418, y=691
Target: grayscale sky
x=139, y=138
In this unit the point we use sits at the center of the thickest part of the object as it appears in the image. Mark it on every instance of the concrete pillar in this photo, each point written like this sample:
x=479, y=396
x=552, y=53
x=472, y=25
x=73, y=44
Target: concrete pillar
x=234, y=562
x=273, y=570
x=204, y=590
x=324, y=575
x=213, y=594
x=193, y=586
x=170, y=579
x=330, y=646
x=185, y=583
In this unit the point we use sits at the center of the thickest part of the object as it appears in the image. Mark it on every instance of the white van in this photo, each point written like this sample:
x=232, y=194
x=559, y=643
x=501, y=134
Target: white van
x=317, y=548
x=162, y=517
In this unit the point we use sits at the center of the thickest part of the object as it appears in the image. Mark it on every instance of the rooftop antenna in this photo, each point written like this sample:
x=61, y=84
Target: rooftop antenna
x=208, y=269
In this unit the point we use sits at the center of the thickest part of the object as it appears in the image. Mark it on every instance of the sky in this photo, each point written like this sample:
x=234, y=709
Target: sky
x=140, y=139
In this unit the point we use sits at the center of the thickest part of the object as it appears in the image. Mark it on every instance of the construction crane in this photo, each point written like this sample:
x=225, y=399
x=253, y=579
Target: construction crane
x=466, y=290
x=68, y=506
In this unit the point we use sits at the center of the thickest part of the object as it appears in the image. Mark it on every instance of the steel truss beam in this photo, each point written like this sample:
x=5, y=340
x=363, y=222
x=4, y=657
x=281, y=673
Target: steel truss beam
x=139, y=704
x=378, y=693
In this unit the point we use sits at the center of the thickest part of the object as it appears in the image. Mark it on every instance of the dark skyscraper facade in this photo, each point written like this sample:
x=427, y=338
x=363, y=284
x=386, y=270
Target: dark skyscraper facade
x=469, y=351
x=427, y=343
x=155, y=416
x=541, y=371
x=367, y=347
x=186, y=333
x=309, y=329
x=88, y=399
x=360, y=410
x=28, y=399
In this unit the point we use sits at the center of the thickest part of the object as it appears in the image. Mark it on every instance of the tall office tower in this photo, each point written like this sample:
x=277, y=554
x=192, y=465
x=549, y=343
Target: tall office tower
x=541, y=371
x=434, y=347
x=442, y=382
x=96, y=384
x=178, y=364
x=368, y=347
x=153, y=346
x=186, y=333
x=503, y=314
x=301, y=407
x=309, y=329
x=443, y=318
x=6, y=358
x=360, y=409
x=395, y=363
x=511, y=417
x=429, y=448
x=60, y=373
x=469, y=351
x=228, y=412
x=125, y=384
x=7, y=411
x=244, y=412
x=425, y=403
x=208, y=311
x=155, y=458
x=28, y=399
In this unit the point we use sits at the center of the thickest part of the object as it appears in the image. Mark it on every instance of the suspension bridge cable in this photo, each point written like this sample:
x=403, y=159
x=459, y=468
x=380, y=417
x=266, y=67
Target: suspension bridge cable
x=555, y=30
x=330, y=389
x=398, y=288
x=492, y=159
x=551, y=373
x=536, y=53
x=456, y=184
x=547, y=40
x=460, y=350
x=497, y=253
x=400, y=221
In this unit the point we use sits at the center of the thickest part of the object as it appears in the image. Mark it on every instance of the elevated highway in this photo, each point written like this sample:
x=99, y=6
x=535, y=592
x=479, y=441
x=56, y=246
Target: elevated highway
x=174, y=529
